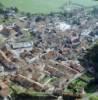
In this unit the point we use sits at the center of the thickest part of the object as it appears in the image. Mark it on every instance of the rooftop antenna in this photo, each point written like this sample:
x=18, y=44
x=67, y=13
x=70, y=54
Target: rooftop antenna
x=68, y=2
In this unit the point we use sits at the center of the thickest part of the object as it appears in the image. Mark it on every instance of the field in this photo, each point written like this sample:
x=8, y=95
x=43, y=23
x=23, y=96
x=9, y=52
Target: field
x=43, y=6
x=35, y=6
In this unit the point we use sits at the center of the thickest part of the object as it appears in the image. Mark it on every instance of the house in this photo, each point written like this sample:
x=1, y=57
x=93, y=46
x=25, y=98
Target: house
x=23, y=18
x=1, y=68
x=54, y=72
x=4, y=90
x=22, y=45
x=6, y=62
x=25, y=82
x=69, y=96
x=63, y=26
x=86, y=32
x=1, y=28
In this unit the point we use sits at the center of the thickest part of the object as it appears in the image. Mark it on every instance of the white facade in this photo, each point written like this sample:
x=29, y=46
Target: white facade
x=63, y=26
x=1, y=27
x=22, y=45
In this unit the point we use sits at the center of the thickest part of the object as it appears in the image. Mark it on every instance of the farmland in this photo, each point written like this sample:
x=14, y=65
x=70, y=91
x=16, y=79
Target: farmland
x=43, y=6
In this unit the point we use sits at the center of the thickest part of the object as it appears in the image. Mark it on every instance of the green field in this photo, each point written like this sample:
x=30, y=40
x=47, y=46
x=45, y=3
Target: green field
x=35, y=6
x=43, y=6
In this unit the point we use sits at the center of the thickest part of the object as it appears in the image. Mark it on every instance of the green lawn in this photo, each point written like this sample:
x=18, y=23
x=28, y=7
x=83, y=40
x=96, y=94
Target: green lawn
x=35, y=6
x=86, y=3
x=43, y=6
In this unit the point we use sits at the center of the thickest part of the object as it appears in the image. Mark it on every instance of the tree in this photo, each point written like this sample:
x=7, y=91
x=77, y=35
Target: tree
x=1, y=5
x=28, y=15
x=92, y=57
x=6, y=17
x=16, y=9
x=94, y=98
x=1, y=8
x=1, y=11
